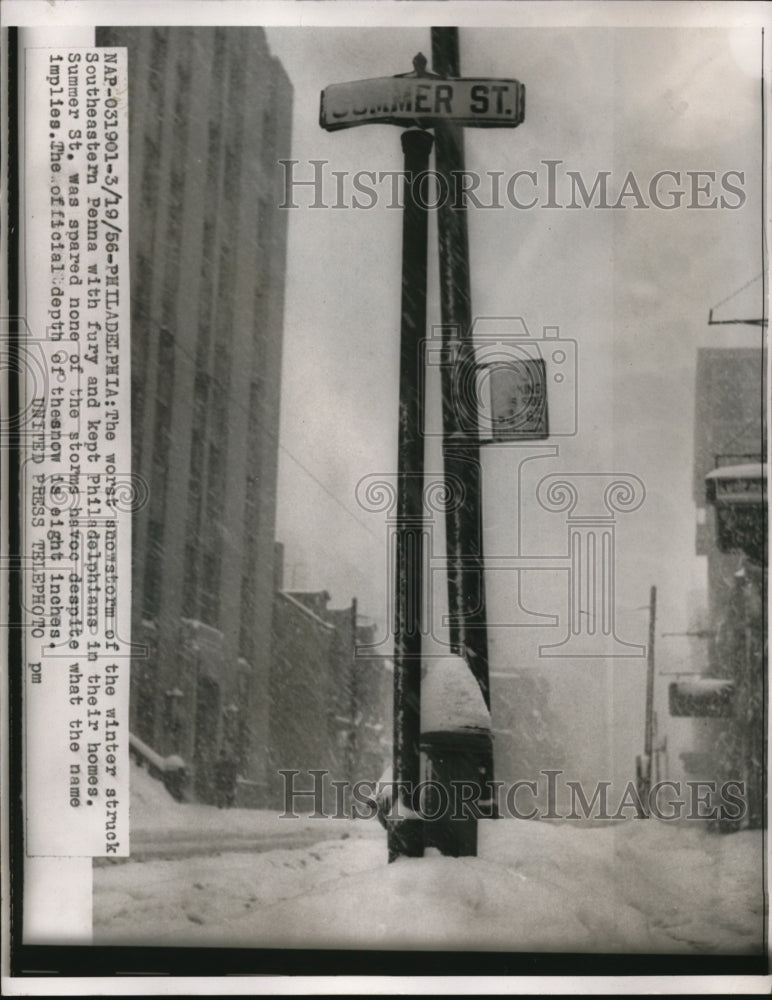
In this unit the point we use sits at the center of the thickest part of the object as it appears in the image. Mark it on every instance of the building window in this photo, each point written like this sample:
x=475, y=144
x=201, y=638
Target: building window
x=159, y=473
x=251, y=520
x=163, y=422
x=210, y=588
x=153, y=574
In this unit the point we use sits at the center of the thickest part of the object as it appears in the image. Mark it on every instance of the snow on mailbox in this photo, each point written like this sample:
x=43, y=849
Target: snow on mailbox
x=451, y=700
x=456, y=738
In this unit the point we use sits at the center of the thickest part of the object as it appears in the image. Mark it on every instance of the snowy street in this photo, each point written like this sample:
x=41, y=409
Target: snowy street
x=637, y=886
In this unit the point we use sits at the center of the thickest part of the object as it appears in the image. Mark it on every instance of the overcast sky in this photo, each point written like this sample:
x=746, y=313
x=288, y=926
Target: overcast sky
x=632, y=286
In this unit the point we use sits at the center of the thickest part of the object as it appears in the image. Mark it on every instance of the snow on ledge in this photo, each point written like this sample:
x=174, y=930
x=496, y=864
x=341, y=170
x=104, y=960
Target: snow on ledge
x=451, y=699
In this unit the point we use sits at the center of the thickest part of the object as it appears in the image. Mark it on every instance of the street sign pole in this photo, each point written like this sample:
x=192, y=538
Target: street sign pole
x=649, y=738
x=644, y=764
x=461, y=451
x=405, y=829
x=418, y=101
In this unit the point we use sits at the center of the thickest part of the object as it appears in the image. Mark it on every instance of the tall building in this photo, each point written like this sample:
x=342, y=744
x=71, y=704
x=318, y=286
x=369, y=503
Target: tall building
x=209, y=118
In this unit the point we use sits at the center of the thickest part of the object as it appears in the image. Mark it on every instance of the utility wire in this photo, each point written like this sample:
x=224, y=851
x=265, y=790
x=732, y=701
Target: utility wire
x=737, y=292
x=332, y=496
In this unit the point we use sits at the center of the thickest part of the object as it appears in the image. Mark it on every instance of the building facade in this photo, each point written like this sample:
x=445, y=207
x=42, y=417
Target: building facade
x=720, y=714
x=729, y=429
x=330, y=706
x=209, y=117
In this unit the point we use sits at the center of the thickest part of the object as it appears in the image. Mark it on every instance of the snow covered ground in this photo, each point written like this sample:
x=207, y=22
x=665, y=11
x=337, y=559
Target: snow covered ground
x=634, y=886
x=162, y=827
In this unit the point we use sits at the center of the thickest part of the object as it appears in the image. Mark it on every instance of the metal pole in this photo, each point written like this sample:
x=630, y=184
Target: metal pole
x=461, y=450
x=352, y=744
x=645, y=780
x=466, y=584
x=405, y=832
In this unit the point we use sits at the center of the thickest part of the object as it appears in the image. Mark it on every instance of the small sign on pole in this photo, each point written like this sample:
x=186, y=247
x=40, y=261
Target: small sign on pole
x=518, y=400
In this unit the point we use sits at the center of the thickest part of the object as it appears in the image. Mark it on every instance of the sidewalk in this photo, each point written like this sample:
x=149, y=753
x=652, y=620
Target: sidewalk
x=161, y=827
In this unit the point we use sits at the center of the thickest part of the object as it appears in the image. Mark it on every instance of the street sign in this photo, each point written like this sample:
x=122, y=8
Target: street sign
x=423, y=101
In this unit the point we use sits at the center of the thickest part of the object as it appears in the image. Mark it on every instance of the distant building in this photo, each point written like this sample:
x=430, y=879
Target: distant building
x=528, y=733
x=729, y=428
x=724, y=737
x=330, y=708
x=209, y=116
x=730, y=409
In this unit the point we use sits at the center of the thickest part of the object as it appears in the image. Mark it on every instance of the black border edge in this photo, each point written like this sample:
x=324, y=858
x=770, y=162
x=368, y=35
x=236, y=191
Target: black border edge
x=11, y=455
